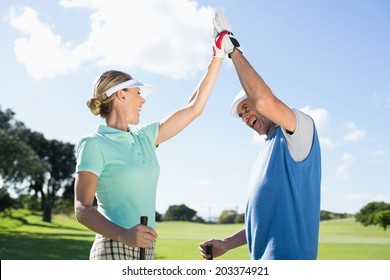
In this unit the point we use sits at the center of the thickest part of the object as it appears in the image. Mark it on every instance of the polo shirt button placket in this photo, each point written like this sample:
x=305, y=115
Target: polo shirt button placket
x=142, y=160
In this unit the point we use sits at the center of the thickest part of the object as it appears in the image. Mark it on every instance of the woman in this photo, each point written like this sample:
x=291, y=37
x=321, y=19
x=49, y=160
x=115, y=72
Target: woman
x=119, y=165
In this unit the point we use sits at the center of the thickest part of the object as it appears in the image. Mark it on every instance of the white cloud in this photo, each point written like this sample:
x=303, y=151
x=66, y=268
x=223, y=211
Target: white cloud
x=380, y=101
x=201, y=182
x=43, y=53
x=367, y=197
x=353, y=134
x=343, y=169
x=326, y=142
x=80, y=3
x=378, y=156
x=347, y=157
x=357, y=197
x=319, y=115
x=172, y=38
x=321, y=120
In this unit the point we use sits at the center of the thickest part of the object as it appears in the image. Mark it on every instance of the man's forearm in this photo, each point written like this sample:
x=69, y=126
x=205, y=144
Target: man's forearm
x=235, y=240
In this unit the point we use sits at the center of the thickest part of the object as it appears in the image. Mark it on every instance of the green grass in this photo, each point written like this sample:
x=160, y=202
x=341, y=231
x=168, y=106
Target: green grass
x=180, y=240
x=346, y=239
x=65, y=239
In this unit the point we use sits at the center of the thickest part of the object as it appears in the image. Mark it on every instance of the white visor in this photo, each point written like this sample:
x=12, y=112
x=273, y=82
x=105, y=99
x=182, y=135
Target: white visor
x=145, y=89
x=239, y=97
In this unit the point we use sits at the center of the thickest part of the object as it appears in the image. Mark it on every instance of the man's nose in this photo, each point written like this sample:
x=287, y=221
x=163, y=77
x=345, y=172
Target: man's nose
x=244, y=117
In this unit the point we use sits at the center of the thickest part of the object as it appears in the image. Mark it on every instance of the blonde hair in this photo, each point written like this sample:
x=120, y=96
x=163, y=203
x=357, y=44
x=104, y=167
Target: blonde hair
x=99, y=103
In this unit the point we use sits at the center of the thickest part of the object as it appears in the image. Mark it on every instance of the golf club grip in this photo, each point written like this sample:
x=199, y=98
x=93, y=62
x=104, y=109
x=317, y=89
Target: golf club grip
x=209, y=251
x=143, y=221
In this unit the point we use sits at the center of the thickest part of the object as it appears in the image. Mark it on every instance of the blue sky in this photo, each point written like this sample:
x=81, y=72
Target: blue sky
x=328, y=58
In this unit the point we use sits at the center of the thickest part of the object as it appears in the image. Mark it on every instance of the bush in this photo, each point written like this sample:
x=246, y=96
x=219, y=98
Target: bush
x=15, y=213
x=239, y=219
x=179, y=213
x=227, y=217
x=382, y=218
x=325, y=215
x=30, y=202
x=63, y=206
x=158, y=217
x=20, y=213
x=6, y=200
x=367, y=215
x=198, y=219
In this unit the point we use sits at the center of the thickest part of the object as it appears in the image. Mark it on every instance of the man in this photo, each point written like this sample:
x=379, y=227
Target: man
x=283, y=208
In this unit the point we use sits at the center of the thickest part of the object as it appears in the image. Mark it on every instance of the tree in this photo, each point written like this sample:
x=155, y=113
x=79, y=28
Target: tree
x=198, y=219
x=18, y=161
x=325, y=215
x=33, y=164
x=158, y=217
x=239, y=219
x=6, y=200
x=60, y=162
x=227, y=217
x=382, y=218
x=367, y=215
x=179, y=213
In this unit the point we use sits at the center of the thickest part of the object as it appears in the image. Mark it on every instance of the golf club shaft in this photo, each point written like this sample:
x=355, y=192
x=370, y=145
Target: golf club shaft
x=143, y=221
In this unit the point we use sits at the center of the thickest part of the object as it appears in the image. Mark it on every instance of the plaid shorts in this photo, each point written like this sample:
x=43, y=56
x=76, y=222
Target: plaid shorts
x=107, y=249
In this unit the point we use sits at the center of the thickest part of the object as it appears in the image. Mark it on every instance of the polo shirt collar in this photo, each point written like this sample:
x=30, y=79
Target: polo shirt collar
x=113, y=133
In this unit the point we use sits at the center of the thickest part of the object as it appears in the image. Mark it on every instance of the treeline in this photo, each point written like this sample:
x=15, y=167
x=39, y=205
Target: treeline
x=327, y=215
x=184, y=213
x=372, y=214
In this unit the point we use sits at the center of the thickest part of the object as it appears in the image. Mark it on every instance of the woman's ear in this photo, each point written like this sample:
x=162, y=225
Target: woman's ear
x=121, y=95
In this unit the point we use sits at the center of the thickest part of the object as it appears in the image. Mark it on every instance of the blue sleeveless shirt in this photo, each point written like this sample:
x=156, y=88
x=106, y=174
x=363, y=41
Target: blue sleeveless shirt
x=283, y=208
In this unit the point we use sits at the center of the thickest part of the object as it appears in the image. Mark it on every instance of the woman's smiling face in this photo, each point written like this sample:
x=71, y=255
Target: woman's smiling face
x=134, y=102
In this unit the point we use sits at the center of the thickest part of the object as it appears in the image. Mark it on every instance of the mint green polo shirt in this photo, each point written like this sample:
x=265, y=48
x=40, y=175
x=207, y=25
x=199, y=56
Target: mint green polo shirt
x=127, y=170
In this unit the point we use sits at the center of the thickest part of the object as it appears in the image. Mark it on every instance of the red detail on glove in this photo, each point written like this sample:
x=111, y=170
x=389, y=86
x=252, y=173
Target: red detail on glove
x=218, y=41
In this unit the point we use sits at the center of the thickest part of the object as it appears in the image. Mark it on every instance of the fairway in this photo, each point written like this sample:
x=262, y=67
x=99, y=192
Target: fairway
x=65, y=239
x=180, y=240
x=342, y=239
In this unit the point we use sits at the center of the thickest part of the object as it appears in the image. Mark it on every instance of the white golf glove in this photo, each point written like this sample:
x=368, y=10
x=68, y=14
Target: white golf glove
x=218, y=49
x=229, y=42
